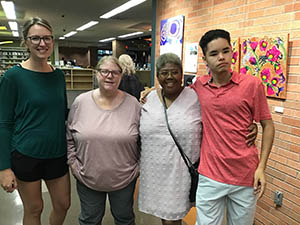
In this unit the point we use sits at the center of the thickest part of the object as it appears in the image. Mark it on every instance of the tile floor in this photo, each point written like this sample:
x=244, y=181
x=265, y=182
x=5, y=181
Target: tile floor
x=11, y=210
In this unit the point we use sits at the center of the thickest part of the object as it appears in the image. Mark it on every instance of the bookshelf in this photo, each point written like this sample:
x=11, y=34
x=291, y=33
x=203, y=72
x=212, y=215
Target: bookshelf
x=10, y=56
x=79, y=79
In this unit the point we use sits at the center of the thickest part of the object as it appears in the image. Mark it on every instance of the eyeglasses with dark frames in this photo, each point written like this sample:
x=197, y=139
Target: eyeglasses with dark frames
x=114, y=73
x=36, y=40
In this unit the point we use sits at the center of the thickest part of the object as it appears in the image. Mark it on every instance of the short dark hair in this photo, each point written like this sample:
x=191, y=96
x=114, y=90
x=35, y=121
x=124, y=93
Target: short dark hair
x=168, y=58
x=212, y=35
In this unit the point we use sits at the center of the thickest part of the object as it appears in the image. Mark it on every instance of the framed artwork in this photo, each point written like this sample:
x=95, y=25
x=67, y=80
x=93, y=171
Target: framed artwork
x=266, y=58
x=171, y=35
x=191, y=58
x=235, y=44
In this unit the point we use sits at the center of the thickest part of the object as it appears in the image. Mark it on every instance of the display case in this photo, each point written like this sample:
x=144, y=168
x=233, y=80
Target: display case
x=10, y=56
x=79, y=79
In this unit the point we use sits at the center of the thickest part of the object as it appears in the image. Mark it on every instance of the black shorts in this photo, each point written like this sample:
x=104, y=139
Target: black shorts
x=31, y=169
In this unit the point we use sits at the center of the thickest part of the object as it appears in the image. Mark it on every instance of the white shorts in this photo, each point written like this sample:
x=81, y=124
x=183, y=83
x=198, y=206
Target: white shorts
x=212, y=197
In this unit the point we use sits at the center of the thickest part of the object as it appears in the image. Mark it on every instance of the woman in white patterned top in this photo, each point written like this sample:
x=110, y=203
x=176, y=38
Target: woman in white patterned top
x=165, y=179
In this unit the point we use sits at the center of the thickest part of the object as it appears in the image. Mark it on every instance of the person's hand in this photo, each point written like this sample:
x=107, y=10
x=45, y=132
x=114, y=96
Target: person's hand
x=73, y=167
x=8, y=180
x=143, y=98
x=250, y=138
x=259, y=185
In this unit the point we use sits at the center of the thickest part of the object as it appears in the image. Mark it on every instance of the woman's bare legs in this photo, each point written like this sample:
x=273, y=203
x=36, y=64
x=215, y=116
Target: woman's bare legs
x=59, y=190
x=31, y=195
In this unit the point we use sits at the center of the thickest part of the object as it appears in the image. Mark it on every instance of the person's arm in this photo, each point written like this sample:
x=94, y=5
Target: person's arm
x=71, y=147
x=144, y=94
x=66, y=100
x=8, y=98
x=266, y=146
x=250, y=138
x=71, y=150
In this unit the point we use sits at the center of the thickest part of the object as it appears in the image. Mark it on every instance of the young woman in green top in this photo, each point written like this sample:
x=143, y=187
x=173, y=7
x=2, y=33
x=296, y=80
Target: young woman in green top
x=32, y=128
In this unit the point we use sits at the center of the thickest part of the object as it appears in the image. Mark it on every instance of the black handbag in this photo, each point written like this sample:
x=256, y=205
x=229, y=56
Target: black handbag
x=193, y=168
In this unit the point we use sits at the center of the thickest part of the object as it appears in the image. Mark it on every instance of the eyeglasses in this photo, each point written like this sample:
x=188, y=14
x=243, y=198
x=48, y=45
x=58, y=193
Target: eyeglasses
x=114, y=73
x=36, y=40
x=166, y=73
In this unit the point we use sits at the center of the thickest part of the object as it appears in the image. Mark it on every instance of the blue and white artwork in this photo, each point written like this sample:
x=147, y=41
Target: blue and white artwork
x=171, y=35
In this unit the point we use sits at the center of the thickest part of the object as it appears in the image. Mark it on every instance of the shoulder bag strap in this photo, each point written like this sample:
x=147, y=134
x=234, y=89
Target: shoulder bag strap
x=183, y=155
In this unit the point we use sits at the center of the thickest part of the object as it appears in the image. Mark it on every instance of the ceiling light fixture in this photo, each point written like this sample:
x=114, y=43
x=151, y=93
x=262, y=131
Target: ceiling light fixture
x=62, y=38
x=9, y=9
x=70, y=34
x=13, y=25
x=6, y=42
x=107, y=39
x=129, y=35
x=88, y=25
x=15, y=33
x=122, y=8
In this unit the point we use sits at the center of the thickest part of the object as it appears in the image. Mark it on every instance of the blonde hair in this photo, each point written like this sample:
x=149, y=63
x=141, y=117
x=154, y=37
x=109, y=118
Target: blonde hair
x=127, y=64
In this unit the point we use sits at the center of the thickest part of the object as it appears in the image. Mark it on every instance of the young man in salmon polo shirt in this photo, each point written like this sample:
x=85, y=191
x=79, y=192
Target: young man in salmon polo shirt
x=231, y=173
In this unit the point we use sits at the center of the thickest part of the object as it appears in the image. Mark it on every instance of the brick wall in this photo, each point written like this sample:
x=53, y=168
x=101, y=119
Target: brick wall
x=243, y=18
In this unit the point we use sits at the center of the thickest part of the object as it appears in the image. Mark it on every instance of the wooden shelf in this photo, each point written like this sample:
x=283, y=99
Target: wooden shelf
x=79, y=79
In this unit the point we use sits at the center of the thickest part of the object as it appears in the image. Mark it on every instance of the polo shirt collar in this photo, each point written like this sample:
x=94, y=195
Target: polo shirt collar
x=235, y=78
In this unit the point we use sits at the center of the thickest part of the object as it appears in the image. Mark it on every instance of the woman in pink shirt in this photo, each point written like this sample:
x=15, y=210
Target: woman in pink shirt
x=102, y=135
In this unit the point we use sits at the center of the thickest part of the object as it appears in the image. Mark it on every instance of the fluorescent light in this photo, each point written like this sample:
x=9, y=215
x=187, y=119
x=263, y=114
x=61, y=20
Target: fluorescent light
x=70, y=34
x=107, y=39
x=9, y=9
x=15, y=33
x=121, y=8
x=88, y=25
x=62, y=38
x=6, y=42
x=13, y=25
x=131, y=34
x=3, y=28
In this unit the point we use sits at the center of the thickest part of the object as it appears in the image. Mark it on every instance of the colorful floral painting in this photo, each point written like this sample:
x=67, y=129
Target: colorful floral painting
x=266, y=58
x=235, y=43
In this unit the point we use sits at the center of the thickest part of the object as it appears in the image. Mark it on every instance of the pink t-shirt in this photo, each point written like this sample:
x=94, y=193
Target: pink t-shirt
x=227, y=112
x=102, y=144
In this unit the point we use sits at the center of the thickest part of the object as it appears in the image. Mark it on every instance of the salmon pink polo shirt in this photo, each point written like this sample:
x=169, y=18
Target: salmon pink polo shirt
x=227, y=112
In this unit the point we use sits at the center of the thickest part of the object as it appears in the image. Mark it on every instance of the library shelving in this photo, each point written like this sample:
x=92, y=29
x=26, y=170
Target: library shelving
x=79, y=79
x=10, y=56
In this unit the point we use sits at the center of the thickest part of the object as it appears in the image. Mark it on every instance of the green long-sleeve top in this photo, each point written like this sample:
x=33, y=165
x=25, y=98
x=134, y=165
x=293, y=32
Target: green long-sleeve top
x=33, y=109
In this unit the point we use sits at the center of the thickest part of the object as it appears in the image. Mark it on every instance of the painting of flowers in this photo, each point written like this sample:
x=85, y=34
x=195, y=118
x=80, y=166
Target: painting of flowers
x=235, y=44
x=266, y=58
